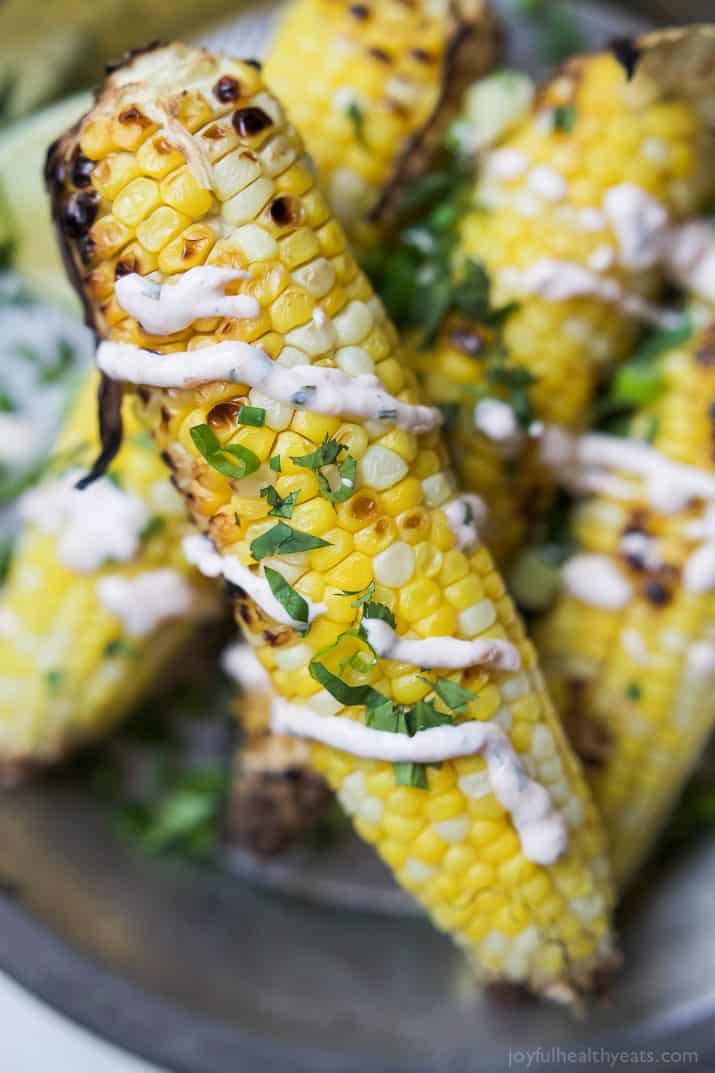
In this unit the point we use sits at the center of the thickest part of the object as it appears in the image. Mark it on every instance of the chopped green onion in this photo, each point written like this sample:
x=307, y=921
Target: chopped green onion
x=295, y=605
x=209, y=446
x=252, y=415
x=280, y=507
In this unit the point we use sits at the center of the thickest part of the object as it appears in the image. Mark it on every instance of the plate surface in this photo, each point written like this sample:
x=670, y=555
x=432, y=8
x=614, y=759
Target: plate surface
x=285, y=969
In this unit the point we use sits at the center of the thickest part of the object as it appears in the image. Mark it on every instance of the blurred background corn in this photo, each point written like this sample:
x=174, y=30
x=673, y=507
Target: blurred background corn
x=451, y=843
x=636, y=683
x=540, y=196
x=70, y=667
x=372, y=87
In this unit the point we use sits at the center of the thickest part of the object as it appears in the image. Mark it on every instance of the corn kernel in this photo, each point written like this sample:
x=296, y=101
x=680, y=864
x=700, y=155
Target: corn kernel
x=182, y=192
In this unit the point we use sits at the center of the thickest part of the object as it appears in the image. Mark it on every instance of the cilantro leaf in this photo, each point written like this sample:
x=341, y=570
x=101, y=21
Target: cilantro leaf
x=328, y=454
x=414, y=775
x=155, y=525
x=282, y=539
x=209, y=447
x=292, y=601
x=363, y=595
x=372, y=609
x=351, y=696
x=471, y=295
x=355, y=115
x=451, y=693
x=564, y=118
x=281, y=507
x=424, y=716
x=119, y=646
x=54, y=680
x=275, y=463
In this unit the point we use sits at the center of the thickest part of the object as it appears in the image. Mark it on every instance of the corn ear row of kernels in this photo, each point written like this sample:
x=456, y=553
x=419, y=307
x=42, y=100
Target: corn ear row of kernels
x=371, y=87
x=642, y=677
x=543, y=188
x=69, y=667
x=452, y=844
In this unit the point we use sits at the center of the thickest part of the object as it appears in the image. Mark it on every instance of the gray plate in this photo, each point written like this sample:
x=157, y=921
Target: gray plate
x=284, y=970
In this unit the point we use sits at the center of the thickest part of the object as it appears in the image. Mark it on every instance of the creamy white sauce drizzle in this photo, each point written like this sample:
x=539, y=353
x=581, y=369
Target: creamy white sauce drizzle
x=144, y=601
x=541, y=829
x=176, y=135
x=162, y=309
x=200, y=552
x=241, y=663
x=443, y=652
x=466, y=515
x=701, y=658
x=319, y=389
x=689, y=258
x=595, y=580
x=668, y=486
x=699, y=570
x=557, y=281
x=639, y=223
x=99, y=524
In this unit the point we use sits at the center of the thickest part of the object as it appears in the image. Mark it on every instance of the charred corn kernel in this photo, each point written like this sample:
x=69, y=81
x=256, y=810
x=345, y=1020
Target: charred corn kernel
x=187, y=250
x=635, y=684
x=164, y=224
x=358, y=129
x=74, y=665
x=410, y=574
x=551, y=196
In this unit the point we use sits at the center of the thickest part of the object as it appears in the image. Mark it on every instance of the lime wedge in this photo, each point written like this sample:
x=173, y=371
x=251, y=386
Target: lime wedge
x=25, y=221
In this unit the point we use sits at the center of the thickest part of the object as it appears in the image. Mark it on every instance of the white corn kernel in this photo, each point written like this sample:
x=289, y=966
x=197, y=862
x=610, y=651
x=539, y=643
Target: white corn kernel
x=437, y=489
x=233, y=173
x=287, y=570
x=417, y=870
x=255, y=242
x=476, y=784
x=315, y=337
x=294, y=657
x=317, y=277
x=381, y=468
x=354, y=360
x=352, y=792
x=324, y=703
x=395, y=565
x=454, y=830
x=277, y=155
x=515, y=687
x=353, y=323
x=370, y=810
x=290, y=356
x=278, y=414
x=247, y=203
x=477, y=618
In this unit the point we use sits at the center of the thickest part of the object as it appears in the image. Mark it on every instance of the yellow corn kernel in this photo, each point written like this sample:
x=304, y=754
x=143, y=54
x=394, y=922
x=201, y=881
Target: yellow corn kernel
x=181, y=191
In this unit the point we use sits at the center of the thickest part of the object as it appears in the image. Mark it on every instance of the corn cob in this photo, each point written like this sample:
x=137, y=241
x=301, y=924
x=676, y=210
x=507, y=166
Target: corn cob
x=371, y=87
x=451, y=842
x=641, y=673
x=71, y=667
x=387, y=78
x=554, y=192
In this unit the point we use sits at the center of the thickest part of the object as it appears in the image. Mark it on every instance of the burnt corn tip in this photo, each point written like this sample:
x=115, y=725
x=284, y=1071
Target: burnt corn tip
x=627, y=53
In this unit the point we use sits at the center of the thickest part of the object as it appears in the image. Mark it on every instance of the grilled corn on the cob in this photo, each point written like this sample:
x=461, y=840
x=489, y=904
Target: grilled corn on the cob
x=629, y=648
x=357, y=518
x=372, y=87
x=98, y=600
x=567, y=215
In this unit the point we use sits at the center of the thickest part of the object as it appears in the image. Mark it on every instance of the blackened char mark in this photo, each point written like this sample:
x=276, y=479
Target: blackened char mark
x=126, y=58
x=627, y=53
x=109, y=398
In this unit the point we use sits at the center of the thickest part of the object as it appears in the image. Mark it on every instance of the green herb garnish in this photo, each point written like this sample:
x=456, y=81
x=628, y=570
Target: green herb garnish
x=329, y=454
x=564, y=118
x=119, y=647
x=372, y=609
x=252, y=415
x=156, y=524
x=281, y=539
x=633, y=691
x=295, y=605
x=351, y=696
x=355, y=114
x=451, y=693
x=280, y=507
x=234, y=461
x=275, y=463
x=54, y=680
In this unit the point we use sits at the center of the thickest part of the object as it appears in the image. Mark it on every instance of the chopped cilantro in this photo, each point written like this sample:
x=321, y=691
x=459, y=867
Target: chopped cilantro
x=54, y=680
x=633, y=691
x=7, y=406
x=371, y=609
x=5, y=558
x=252, y=415
x=114, y=477
x=355, y=114
x=328, y=454
x=281, y=507
x=237, y=518
x=156, y=524
x=564, y=118
x=282, y=539
x=414, y=775
x=363, y=595
x=187, y=815
x=295, y=605
x=275, y=463
x=240, y=461
x=471, y=295
x=63, y=362
x=118, y=647
x=451, y=693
